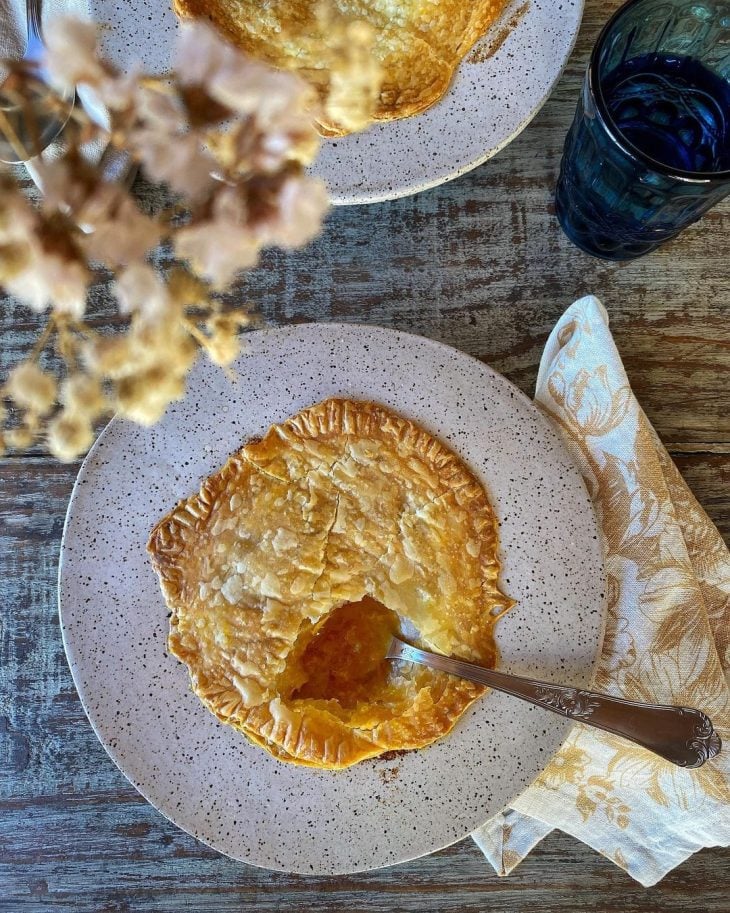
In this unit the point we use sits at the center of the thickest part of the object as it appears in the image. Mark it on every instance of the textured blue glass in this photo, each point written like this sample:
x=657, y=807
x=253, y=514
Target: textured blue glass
x=649, y=149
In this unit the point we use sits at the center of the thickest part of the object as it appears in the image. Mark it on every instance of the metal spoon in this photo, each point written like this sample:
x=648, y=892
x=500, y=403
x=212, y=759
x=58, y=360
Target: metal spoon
x=35, y=123
x=681, y=735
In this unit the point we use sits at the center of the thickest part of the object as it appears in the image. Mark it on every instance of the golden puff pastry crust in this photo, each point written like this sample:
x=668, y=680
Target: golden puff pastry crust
x=418, y=45
x=290, y=570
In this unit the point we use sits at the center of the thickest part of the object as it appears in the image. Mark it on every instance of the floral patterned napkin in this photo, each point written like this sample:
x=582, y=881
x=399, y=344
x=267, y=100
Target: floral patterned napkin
x=667, y=638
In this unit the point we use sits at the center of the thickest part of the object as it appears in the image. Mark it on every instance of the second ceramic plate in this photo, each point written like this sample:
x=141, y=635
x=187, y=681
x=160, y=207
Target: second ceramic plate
x=497, y=90
x=208, y=778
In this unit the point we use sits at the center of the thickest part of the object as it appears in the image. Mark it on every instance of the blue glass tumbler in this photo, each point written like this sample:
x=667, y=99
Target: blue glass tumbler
x=649, y=149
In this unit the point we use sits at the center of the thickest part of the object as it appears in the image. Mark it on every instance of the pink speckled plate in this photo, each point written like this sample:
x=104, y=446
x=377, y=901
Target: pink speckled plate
x=492, y=97
x=208, y=778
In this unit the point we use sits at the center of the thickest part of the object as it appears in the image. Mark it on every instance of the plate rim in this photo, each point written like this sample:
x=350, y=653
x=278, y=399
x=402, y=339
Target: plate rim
x=563, y=722
x=400, y=189
x=376, y=196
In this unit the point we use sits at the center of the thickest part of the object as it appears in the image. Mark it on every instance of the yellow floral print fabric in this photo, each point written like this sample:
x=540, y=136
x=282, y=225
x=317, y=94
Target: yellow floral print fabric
x=667, y=636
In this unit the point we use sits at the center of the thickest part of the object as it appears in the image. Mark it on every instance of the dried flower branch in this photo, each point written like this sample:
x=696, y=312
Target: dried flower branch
x=231, y=138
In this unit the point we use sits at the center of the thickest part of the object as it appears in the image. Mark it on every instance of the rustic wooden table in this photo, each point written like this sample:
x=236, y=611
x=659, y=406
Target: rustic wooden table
x=479, y=263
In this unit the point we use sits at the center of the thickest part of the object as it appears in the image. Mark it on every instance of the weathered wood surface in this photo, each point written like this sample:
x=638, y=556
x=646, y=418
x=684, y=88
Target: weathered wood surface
x=479, y=263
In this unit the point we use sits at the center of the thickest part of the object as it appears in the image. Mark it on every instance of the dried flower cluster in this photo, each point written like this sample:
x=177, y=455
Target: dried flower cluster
x=230, y=138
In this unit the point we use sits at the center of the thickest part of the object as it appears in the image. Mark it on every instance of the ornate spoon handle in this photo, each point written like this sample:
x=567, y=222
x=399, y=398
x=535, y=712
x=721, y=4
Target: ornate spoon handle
x=681, y=735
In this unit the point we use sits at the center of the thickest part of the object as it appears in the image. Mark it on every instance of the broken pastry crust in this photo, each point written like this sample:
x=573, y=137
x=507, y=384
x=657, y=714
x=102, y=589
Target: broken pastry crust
x=292, y=567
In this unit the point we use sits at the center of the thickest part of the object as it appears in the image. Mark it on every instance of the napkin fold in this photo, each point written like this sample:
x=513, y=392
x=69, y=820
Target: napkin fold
x=115, y=166
x=667, y=636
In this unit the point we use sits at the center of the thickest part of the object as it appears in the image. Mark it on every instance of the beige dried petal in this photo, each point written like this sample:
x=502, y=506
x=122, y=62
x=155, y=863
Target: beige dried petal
x=160, y=109
x=117, y=232
x=223, y=347
x=253, y=88
x=17, y=217
x=140, y=290
x=221, y=246
x=282, y=142
x=218, y=251
x=249, y=146
x=174, y=159
x=275, y=123
x=164, y=341
x=19, y=438
x=228, y=321
x=32, y=421
x=225, y=344
x=72, y=52
x=356, y=78
x=31, y=388
x=120, y=91
x=144, y=397
x=60, y=188
x=50, y=279
x=198, y=53
x=109, y=356
x=204, y=58
x=297, y=217
x=187, y=290
x=83, y=394
x=14, y=260
x=69, y=435
x=237, y=318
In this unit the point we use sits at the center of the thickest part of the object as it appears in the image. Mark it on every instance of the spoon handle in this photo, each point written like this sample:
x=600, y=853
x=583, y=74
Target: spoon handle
x=682, y=735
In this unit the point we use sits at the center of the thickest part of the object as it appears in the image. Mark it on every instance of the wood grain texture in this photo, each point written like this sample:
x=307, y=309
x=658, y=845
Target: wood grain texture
x=481, y=264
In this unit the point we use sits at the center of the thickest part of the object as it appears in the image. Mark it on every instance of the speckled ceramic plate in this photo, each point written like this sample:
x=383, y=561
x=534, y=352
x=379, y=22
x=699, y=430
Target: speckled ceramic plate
x=497, y=90
x=209, y=779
